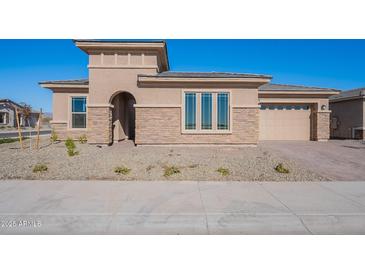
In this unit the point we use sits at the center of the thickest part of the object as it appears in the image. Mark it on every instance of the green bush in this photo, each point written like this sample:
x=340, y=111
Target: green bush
x=8, y=140
x=54, y=136
x=70, y=145
x=223, y=171
x=83, y=139
x=40, y=168
x=281, y=169
x=11, y=140
x=122, y=170
x=170, y=170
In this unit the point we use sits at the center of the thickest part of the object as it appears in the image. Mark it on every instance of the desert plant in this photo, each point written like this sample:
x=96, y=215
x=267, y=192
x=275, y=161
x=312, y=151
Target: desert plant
x=40, y=168
x=54, y=136
x=281, y=169
x=11, y=140
x=83, y=139
x=223, y=171
x=70, y=145
x=122, y=170
x=170, y=170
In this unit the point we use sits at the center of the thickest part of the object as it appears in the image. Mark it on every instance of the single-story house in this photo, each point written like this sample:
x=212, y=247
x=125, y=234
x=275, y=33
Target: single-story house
x=8, y=116
x=348, y=114
x=131, y=94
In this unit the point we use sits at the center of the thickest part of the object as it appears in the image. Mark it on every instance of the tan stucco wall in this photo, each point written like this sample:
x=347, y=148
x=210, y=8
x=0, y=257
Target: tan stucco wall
x=350, y=114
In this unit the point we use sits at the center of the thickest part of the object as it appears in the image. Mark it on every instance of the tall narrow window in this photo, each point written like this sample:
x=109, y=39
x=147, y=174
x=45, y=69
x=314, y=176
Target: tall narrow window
x=190, y=111
x=78, y=112
x=223, y=111
x=206, y=111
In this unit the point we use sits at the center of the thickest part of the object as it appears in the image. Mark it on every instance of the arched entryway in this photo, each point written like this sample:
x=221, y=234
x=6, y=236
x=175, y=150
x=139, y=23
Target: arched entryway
x=123, y=116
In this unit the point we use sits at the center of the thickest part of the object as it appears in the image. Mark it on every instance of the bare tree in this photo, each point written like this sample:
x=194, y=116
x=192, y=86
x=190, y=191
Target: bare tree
x=26, y=112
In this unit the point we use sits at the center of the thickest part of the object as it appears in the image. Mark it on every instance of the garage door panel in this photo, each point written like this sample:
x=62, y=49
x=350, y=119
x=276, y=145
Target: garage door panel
x=277, y=124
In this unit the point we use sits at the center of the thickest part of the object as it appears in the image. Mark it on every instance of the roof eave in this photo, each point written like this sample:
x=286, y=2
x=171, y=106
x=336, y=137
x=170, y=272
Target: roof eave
x=148, y=79
x=54, y=86
x=297, y=92
x=333, y=100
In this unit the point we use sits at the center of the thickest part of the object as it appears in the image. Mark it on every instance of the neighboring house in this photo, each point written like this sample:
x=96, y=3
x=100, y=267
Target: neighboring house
x=8, y=118
x=348, y=114
x=132, y=94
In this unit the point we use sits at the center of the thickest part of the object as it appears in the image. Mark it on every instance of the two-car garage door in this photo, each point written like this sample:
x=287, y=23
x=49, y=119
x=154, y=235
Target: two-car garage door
x=285, y=122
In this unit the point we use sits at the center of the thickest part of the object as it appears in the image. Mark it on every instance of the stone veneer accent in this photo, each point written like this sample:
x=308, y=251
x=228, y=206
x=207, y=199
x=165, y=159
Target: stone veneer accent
x=163, y=126
x=63, y=133
x=99, y=124
x=321, y=125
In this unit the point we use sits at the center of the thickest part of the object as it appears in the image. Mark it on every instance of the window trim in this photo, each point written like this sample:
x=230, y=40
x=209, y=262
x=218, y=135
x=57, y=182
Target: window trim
x=69, y=124
x=214, y=129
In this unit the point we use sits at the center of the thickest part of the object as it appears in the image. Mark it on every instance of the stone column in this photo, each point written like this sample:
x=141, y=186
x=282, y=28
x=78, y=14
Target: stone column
x=321, y=126
x=99, y=124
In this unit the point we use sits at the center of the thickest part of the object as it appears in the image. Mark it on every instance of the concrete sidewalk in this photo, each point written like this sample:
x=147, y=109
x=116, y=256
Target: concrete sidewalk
x=102, y=207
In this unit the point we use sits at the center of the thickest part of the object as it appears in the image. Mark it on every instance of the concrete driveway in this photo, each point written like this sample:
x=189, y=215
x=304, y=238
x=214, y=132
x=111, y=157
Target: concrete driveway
x=338, y=160
x=104, y=207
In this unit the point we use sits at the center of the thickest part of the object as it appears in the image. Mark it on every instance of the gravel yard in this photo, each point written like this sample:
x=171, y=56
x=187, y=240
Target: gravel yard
x=147, y=163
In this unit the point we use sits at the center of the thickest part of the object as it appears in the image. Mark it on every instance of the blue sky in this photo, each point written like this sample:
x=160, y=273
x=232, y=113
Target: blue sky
x=326, y=63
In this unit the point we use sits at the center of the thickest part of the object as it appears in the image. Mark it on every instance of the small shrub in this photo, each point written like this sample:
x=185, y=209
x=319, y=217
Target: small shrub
x=72, y=152
x=82, y=139
x=223, y=171
x=122, y=170
x=54, y=136
x=70, y=145
x=11, y=140
x=40, y=168
x=281, y=169
x=170, y=170
x=8, y=140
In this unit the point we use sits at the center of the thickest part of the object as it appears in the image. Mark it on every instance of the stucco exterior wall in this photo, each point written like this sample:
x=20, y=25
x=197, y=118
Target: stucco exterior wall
x=349, y=114
x=163, y=126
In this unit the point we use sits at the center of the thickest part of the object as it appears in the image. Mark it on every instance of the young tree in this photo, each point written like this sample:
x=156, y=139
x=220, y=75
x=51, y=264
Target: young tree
x=26, y=112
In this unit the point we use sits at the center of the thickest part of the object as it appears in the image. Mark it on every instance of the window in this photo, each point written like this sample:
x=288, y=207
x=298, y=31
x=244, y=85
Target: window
x=223, y=111
x=206, y=111
x=190, y=111
x=78, y=112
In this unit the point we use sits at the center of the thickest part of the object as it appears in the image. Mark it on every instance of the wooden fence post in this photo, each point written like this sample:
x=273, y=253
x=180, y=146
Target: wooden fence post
x=19, y=130
x=39, y=127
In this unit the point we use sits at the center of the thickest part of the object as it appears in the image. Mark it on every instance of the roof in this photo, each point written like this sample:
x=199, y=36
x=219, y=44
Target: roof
x=349, y=94
x=67, y=82
x=175, y=74
x=10, y=102
x=282, y=87
x=118, y=41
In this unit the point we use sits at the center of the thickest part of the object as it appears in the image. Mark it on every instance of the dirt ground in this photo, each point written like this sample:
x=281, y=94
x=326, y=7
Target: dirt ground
x=148, y=163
